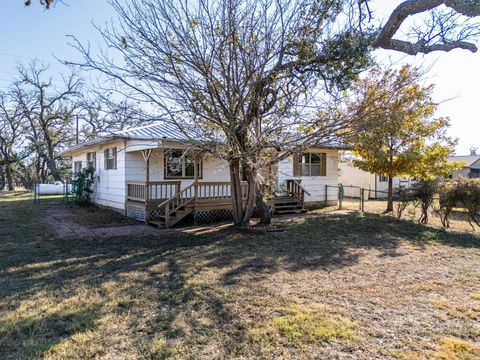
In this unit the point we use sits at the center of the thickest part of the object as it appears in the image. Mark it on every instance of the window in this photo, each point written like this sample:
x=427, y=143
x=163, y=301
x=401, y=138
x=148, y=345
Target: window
x=77, y=167
x=91, y=160
x=382, y=178
x=110, y=158
x=181, y=165
x=311, y=164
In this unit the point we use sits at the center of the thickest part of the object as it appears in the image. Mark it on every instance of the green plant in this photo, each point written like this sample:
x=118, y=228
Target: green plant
x=423, y=193
x=404, y=198
x=463, y=193
x=82, y=186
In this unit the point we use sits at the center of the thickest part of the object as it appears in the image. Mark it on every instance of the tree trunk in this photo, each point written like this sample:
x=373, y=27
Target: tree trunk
x=390, y=194
x=52, y=166
x=2, y=178
x=236, y=192
x=9, y=177
x=251, y=195
x=262, y=208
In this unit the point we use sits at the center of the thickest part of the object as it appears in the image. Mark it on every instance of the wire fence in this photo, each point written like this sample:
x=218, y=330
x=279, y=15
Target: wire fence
x=52, y=193
x=370, y=201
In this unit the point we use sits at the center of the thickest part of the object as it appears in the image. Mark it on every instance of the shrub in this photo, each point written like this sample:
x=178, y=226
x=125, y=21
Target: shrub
x=404, y=198
x=424, y=192
x=82, y=186
x=463, y=193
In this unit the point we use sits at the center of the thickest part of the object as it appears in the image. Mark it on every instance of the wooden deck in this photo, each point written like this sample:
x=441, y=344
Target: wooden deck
x=165, y=203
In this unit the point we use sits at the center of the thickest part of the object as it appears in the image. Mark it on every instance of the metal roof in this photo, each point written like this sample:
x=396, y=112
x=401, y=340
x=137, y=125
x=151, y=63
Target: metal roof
x=469, y=159
x=156, y=131
x=161, y=130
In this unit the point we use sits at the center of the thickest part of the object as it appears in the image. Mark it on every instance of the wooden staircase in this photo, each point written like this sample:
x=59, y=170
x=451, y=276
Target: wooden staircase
x=176, y=208
x=288, y=205
x=293, y=202
x=185, y=201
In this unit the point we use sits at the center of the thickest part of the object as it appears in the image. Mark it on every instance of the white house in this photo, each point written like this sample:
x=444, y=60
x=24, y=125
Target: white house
x=352, y=179
x=147, y=173
x=471, y=168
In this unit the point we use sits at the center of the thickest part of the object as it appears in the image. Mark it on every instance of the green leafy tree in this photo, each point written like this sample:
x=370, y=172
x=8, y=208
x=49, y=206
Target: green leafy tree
x=399, y=137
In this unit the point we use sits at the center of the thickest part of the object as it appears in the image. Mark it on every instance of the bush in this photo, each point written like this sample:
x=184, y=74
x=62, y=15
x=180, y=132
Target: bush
x=421, y=194
x=424, y=192
x=460, y=193
x=82, y=186
x=404, y=197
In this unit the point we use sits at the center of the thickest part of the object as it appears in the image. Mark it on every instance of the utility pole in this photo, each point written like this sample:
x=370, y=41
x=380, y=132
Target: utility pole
x=76, y=132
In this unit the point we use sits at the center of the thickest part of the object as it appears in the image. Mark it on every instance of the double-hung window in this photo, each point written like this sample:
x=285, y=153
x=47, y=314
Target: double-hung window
x=110, y=155
x=382, y=178
x=91, y=160
x=312, y=164
x=181, y=165
x=77, y=167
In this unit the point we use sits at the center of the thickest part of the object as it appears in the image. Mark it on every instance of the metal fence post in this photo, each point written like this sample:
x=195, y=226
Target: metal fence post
x=362, y=200
x=340, y=196
x=326, y=195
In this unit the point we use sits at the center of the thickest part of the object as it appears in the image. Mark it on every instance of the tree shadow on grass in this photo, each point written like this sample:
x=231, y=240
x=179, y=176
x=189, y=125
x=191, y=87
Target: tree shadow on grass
x=328, y=242
x=32, y=336
x=164, y=269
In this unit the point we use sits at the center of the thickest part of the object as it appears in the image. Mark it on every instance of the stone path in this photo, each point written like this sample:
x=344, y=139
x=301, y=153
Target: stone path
x=62, y=222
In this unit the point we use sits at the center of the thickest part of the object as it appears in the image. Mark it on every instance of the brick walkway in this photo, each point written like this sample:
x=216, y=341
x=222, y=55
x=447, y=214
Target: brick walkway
x=62, y=221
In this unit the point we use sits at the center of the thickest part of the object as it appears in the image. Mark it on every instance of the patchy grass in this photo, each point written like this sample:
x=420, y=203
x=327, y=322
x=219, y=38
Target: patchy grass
x=94, y=217
x=457, y=349
x=332, y=287
x=459, y=219
x=300, y=325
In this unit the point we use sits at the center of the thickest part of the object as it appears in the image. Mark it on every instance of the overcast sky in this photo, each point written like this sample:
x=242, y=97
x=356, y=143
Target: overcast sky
x=27, y=33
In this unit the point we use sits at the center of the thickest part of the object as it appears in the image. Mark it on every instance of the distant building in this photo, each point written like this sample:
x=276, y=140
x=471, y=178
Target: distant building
x=352, y=178
x=471, y=167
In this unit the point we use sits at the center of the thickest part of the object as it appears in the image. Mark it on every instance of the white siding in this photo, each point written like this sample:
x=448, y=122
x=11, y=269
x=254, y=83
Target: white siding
x=109, y=187
x=314, y=184
x=350, y=175
x=213, y=169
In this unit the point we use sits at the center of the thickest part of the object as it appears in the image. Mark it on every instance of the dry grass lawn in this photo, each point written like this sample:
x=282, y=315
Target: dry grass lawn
x=332, y=287
x=458, y=222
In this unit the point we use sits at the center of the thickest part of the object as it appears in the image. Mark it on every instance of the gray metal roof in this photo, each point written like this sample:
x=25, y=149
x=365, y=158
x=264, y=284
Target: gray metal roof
x=156, y=131
x=161, y=130
x=470, y=160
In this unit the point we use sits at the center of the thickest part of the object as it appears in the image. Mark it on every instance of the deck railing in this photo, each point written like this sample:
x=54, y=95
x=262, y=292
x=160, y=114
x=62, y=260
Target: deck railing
x=153, y=190
x=296, y=190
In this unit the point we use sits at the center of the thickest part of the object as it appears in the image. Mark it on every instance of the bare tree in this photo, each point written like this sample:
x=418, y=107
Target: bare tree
x=449, y=25
x=11, y=131
x=102, y=114
x=47, y=110
x=46, y=3
x=243, y=75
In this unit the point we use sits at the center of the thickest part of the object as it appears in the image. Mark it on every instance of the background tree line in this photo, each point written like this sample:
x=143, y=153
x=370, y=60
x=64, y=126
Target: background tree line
x=38, y=119
x=260, y=79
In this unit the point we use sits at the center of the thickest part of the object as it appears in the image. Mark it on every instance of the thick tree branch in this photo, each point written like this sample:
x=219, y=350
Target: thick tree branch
x=384, y=40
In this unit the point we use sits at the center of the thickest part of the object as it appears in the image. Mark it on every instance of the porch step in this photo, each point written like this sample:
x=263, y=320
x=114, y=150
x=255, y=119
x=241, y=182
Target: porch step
x=157, y=223
x=291, y=211
x=175, y=217
x=289, y=207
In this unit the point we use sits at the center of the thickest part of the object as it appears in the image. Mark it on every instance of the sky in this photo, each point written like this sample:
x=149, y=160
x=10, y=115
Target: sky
x=28, y=33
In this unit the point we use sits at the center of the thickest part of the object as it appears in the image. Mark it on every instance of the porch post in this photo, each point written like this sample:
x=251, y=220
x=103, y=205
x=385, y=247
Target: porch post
x=146, y=158
x=195, y=175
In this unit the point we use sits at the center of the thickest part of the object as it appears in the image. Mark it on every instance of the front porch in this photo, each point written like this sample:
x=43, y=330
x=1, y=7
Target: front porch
x=165, y=203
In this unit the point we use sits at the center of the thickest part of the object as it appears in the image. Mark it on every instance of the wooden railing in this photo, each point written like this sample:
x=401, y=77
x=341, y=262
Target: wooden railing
x=178, y=201
x=153, y=190
x=296, y=190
